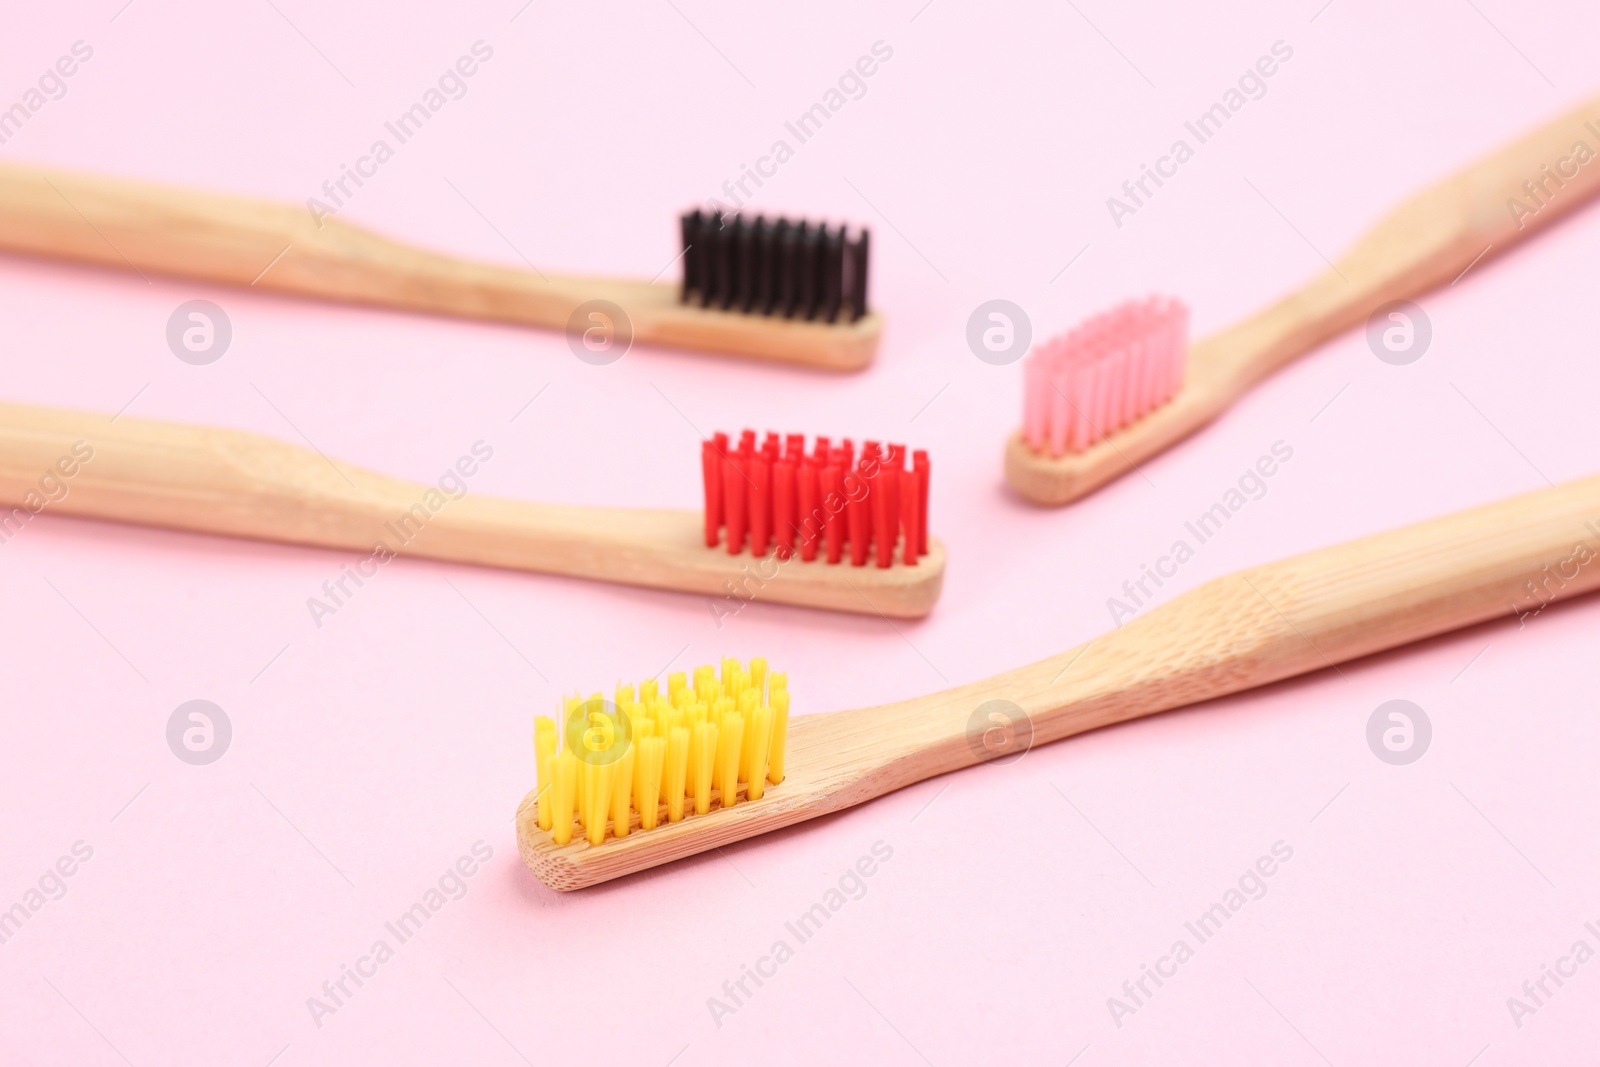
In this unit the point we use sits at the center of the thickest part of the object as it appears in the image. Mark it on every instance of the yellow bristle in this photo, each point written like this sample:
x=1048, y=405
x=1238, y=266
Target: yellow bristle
x=647, y=793
x=780, y=733
x=622, y=792
x=544, y=750
x=601, y=778
x=586, y=795
x=677, y=768
x=748, y=706
x=705, y=751
x=757, y=752
x=729, y=738
x=715, y=728
x=566, y=782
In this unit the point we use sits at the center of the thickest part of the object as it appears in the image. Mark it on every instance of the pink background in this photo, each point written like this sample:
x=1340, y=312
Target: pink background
x=370, y=754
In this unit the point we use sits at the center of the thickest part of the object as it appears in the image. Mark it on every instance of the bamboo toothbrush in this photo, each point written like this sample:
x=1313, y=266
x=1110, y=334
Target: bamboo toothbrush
x=759, y=544
x=1113, y=393
x=791, y=292
x=1231, y=634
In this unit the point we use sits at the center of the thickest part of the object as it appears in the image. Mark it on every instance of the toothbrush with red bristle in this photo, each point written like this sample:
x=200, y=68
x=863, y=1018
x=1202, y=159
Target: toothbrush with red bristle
x=782, y=525
x=1120, y=388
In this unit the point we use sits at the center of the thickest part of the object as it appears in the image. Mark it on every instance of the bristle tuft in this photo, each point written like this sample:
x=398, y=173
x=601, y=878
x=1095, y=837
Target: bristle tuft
x=1105, y=374
x=791, y=270
x=791, y=503
x=632, y=763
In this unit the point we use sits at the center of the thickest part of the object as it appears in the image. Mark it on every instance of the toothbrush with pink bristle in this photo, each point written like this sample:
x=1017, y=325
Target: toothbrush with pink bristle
x=1120, y=387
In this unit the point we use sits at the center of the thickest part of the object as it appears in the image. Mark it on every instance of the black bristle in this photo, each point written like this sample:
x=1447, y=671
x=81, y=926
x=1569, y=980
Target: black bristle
x=858, y=276
x=761, y=284
x=711, y=240
x=805, y=268
x=747, y=238
x=733, y=238
x=719, y=253
x=832, y=270
x=692, y=255
x=773, y=267
x=788, y=245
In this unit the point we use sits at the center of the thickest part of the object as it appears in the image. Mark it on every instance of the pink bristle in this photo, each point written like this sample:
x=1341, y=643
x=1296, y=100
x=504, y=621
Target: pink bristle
x=1107, y=372
x=1035, y=402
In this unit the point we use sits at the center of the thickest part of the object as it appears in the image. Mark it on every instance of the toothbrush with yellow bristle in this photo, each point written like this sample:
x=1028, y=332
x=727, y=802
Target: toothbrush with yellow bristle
x=1115, y=391
x=652, y=778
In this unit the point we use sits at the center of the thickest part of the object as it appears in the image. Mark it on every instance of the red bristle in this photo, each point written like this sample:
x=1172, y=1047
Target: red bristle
x=810, y=515
x=783, y=506
x=838, y=522
x=868, y=461
x=733, y=500
x=711, y=471
x=760, y=472
x=883, y=516
x=908, y=515
x=897, y=463
x=919, y=464
x=841, y=518
x=860, y=518
x=770, y=493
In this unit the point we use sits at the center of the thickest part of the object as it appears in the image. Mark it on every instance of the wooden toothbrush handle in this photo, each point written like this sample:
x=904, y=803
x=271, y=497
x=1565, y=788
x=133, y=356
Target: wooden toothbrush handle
x=154, y=229
x=1427, y=241
x=157, y=229
x=238, y=484
x=1248, y=629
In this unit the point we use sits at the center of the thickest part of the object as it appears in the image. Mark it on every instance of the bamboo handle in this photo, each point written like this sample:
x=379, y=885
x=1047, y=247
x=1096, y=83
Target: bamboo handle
x=156, y=229
x=1425, y=242
x=244, y=485
x=1258, y=626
